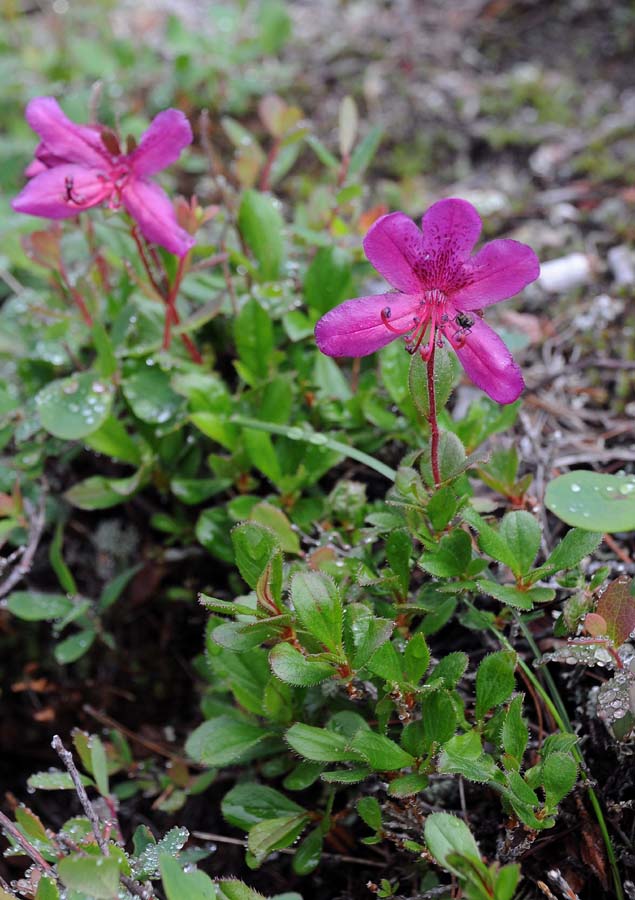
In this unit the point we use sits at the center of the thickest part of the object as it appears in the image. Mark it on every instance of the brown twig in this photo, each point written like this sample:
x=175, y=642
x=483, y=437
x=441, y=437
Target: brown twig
x=154, y=746
x=67, y=758
x=221, y=839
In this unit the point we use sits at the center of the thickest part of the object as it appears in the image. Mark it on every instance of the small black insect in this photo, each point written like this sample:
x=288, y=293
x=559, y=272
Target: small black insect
x=463, y=320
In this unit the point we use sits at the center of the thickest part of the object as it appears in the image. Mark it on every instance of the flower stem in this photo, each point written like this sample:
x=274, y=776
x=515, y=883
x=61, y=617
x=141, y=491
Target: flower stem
x=432, y=417
x=171, y=314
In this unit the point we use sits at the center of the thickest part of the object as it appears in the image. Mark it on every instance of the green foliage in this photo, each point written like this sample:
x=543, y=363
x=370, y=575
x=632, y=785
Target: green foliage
x=593, y=501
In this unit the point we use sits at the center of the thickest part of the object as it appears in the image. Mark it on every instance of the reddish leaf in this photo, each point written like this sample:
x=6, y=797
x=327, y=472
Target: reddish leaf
x=617, y=607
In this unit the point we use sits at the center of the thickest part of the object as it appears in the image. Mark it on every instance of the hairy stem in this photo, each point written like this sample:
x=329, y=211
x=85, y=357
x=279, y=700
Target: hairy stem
x=432, y=417
x=67, y=758
x=26, y=845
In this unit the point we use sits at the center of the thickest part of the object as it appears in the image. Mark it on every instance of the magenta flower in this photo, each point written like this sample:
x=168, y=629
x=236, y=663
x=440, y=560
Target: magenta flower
x=77, y=167
x=441, y=292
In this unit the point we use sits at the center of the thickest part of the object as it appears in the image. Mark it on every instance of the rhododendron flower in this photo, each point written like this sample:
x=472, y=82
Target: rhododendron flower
x=77, y=167
x=440, y=295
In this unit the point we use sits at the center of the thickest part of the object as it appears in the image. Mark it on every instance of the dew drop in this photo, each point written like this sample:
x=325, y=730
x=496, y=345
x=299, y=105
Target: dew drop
x=576, y=488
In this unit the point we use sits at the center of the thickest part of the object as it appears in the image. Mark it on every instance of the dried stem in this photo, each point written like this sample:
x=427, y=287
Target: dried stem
x=26, y=845
x=265, y=175
x=36, y=527
x=67, y=758
x=432, y=418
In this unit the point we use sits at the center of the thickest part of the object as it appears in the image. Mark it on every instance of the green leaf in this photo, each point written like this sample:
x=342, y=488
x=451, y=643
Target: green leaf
x=445, y=834
x=327, y=280
x=575, y=545
x=307, y=857
x=510, y=595
x=180, y=885
x=97, y=876
x=147, y=864
x=523, y=799
x=398, y=553
x=380, y=752
x=365, y=633
x=439, y=717
x=71, y=408
x=416, y=658
x=33, y=606
x=387, y=663
x=365, y=151
x=254, y=547
x=46, y=890
x=223, y=740
x=274, y=519
x=463, y=754
x=241, y=637
x=521, y=533
x=262, y=454
x=592, y=501
x=113, y=440
x=506, y=882
x=275, y=834
x=489, y=540
x=73, y=647
x=445, y=372
x=407, y=785
x=149, y=393
x=253, y=334
x=515, y=733
x=247, y=803
x=293, y=667
x=99, y=765
x=559, y=773
x=318, y=606
x=369, y=810
x=55, y=781
x=56, y=558
x=320, y=744
x=494, y=681
x=450, y=669
x=261, y=226
x=451, y=557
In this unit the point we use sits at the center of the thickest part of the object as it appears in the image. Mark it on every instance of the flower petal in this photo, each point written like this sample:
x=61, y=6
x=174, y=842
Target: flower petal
x=499, y=270
x=393, y=246
x=62, y=192
x=490, y=365
x=450, y=230
x=355, y=328
x=70, y=142
x=161, y=145
x=152, y=209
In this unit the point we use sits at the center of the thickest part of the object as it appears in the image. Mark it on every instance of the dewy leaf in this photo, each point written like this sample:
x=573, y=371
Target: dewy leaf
x=33, y=606
x=592, y=501
x=74, y=407
x=223, y=740
x=521, y=533
x=261, y=225
x=320, y=744
x=380, y=752
x=307, y=856
x=617, y=607
x=97, y=876
x=179, y=885
x=445, y=834
x=293, y=667
x=247, y=803
x=494, y=680
x=149, y=393
x=318, y=606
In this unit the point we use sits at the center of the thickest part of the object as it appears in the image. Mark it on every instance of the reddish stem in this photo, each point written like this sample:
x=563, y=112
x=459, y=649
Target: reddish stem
x=265, y=175
x=77, y=297
x=171, y=315
x=432, y=416
x=144, y=260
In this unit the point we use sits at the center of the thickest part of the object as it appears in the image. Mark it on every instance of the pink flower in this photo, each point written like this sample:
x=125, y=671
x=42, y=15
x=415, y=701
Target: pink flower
x=80, y=166
x=441, y=292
